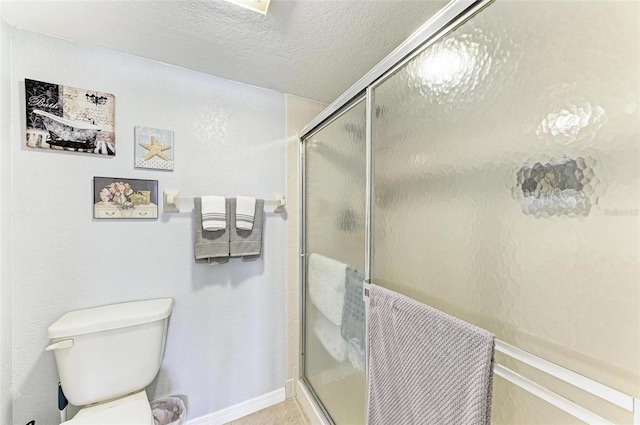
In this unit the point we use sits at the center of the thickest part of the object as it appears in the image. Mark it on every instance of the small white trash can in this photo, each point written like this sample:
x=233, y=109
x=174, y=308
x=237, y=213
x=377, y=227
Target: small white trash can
x=169, y=411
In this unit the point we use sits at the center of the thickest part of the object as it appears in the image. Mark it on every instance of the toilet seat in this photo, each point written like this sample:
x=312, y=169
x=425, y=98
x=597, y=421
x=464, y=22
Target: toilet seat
x=131, y=410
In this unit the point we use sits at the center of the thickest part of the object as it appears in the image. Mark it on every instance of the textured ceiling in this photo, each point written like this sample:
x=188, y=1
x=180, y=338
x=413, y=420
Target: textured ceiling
x=311, y=48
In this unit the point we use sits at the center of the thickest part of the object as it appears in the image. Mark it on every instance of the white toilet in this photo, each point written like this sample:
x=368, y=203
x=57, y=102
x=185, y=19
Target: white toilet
x=107, y=355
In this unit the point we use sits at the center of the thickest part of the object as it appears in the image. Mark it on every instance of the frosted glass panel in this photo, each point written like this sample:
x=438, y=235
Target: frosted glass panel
x=506, y=187
x=334, y=244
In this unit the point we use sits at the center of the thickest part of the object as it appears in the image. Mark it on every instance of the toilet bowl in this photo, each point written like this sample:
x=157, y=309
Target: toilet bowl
x=106, y=357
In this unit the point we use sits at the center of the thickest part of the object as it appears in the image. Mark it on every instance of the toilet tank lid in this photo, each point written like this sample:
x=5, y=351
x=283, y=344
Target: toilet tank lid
x=110, y=317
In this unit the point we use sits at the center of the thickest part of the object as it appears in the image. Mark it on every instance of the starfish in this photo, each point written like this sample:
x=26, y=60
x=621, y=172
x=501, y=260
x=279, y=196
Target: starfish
x=155, y=149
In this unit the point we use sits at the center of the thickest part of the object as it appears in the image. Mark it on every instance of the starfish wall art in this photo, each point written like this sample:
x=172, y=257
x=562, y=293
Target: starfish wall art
x=154, y=148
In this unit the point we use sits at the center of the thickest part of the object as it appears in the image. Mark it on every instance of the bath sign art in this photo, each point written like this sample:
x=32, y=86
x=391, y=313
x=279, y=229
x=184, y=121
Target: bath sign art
x=68, y=118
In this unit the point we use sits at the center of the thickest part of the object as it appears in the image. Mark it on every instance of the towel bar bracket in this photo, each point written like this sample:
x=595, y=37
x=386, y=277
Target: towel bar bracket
x=278, y=202
x=171, y=200
x=366, y=286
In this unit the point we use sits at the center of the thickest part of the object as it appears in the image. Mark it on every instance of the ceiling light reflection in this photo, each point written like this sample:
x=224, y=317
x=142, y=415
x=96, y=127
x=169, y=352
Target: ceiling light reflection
x=576, y=120
x=447, y=65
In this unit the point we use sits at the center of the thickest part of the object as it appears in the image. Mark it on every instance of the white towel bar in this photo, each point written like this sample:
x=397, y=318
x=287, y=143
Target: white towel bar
x=171, y=201
x=627, y=402
x=549, y=396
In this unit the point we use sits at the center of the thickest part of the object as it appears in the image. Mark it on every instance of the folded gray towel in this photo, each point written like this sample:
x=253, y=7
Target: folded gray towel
x=426, y=367
x=246, y=243
x=210, y=247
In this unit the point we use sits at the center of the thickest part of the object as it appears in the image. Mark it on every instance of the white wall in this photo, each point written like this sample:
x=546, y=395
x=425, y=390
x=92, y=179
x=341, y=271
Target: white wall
x=5, y=181
x=299, y=112
x=226, y=340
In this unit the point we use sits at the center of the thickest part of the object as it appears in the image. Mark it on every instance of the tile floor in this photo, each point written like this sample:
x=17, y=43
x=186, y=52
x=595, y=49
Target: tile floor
x=286, y=413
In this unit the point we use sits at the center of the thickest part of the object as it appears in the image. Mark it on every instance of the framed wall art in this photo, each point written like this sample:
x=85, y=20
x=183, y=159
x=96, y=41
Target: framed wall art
x=115, y=197
x=68, y=118
x=154, y=148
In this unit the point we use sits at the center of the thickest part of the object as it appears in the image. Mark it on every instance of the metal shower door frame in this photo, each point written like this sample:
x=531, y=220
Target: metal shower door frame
x=303, y=265
x=447, y=19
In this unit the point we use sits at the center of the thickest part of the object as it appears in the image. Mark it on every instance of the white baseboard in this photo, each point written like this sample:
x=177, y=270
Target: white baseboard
x=308, y=404
x=241, y=409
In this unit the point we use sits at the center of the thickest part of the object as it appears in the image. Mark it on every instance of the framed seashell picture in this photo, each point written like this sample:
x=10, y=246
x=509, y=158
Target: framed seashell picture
x=69, y=119
x=153, y=148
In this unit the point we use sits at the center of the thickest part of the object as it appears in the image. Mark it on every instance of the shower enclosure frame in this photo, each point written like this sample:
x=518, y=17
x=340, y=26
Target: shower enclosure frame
x=302, y=272
x=453, y=14
x=447, y=19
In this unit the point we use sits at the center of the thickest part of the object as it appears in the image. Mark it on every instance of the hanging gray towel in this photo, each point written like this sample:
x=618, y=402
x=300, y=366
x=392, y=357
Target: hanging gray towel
x=246, y=243
x=210, y=247
x=426, y=367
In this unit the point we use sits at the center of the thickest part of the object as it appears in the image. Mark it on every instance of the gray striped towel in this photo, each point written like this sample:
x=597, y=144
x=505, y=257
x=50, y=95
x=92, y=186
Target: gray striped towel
x=246, y=243
x=210, y=247
x=214, y=215
x=426, y=367
x=245, y=212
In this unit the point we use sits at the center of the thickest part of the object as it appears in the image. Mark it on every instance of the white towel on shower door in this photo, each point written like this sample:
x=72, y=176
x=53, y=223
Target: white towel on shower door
x=329, y=335
x=326, y=278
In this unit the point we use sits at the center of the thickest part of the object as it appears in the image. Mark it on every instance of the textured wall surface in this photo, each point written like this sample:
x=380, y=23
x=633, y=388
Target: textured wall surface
x=5, y=281
x=226, y=341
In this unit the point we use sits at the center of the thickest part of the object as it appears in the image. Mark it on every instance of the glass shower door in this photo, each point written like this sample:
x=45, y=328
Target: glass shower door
x=334, y=246
x=507, y=190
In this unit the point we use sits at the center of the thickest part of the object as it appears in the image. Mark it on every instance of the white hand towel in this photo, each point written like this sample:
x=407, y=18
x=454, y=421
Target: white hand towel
x=326, y=278
x=245, y=212
x=329, y=336
x=214, y=216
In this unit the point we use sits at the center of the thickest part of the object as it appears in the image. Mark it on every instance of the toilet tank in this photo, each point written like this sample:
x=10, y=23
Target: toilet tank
x=109, y=351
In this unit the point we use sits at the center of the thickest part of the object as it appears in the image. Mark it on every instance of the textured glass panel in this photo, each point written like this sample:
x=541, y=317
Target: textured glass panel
x=507, y=187
x=335, y=229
